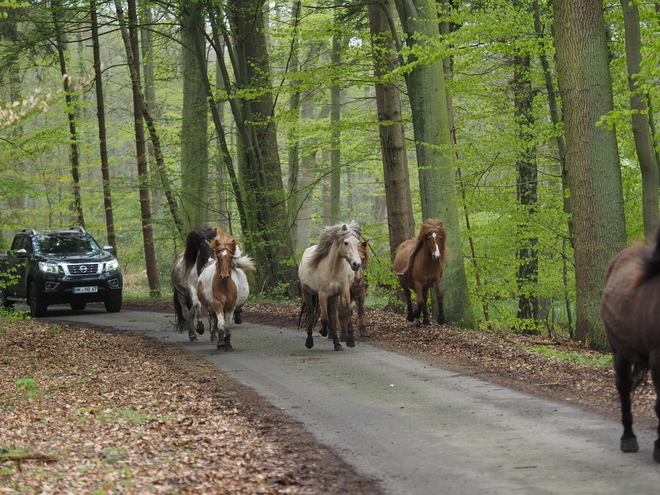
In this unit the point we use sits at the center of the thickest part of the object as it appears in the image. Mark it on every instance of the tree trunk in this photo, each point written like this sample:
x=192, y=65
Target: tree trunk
x=400, y=219
x=528, y=263
x=129, y=35
x=103, y=148
x=592, y=157
x=640, y=120
x=60, y=44
x=335, y=137
x=194, y=122
x=428, y=101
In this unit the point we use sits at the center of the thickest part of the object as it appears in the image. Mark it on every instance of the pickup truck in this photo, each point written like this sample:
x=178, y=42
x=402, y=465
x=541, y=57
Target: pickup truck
x=59, y=267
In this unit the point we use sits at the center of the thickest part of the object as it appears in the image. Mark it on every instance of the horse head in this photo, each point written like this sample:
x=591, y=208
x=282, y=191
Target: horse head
x=364, y=258
x=349, y=247
x=224, y=247
x=433, y=236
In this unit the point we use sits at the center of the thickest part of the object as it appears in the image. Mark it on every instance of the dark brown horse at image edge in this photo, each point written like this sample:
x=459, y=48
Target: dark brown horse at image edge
x=419, y=264
x=630, y=308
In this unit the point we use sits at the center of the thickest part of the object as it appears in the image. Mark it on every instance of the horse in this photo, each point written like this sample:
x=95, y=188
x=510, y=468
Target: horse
x=419, y=264
x=326, y=273
x=630, y=309
x=185, y=272
x=358, y=294
x=223, y=286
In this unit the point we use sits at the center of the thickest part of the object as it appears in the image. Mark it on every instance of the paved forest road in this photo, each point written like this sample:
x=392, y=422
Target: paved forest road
x=417, y=428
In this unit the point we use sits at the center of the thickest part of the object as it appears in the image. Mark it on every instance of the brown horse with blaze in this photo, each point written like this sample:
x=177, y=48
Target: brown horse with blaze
x=419, y=264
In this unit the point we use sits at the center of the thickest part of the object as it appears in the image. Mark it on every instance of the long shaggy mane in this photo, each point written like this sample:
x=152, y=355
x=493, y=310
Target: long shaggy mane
x=330, y=235
x=196, y=239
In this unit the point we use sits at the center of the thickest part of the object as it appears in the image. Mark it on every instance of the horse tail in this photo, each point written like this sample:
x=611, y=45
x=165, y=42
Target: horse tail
x=638, y=376
x=304, y=316
x=244, y=261
x=651, y=261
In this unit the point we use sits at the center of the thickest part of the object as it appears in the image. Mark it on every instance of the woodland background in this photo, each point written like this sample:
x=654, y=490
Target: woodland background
x=526, y=126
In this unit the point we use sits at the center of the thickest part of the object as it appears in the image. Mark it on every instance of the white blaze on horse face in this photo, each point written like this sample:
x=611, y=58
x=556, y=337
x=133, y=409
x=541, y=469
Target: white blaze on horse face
x=436, y=253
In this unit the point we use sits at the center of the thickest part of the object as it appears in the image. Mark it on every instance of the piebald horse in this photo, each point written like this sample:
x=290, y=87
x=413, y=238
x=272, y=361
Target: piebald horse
x=326, y=273
x=223, y=287
x=419, y=264
x=185, y=272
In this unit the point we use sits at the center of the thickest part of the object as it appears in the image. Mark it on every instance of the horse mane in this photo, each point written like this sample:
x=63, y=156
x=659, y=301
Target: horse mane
x=651, y=261
x=328, y=237
x=239, y=260
x=428, y=227
x=200, y=236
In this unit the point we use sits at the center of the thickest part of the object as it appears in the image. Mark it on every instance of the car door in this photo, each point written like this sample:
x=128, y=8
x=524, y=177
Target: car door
x=17, y=259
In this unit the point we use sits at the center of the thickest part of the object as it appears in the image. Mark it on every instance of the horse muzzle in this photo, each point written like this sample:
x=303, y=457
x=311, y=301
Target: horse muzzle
x=224, y=280
x=356, y=266
x=436, y=257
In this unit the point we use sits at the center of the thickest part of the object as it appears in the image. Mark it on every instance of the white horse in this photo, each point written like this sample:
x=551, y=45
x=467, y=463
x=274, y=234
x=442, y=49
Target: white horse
x=185, y=272
x=326, y=273
x=223, y=287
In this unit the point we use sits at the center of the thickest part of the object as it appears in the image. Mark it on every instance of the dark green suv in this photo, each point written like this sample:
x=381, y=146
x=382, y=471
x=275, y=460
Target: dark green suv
x=59, y=267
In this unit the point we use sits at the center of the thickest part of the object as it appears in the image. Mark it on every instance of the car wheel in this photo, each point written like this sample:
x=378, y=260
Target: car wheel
x=37, y=307
x=4, y=302
x=78, y=305
x=113, y=306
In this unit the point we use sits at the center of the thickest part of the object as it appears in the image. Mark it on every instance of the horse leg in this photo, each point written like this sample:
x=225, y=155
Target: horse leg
x=221, y=323
x=213, y=325
x=323, y=304
x=406, y=293
x=655, y=375
x=309, y=307
x=228, y=317
x=361, y=318
x=440, y=296
x=332, y=303
x=422, y=308
x=623, y=381
x=346, y=321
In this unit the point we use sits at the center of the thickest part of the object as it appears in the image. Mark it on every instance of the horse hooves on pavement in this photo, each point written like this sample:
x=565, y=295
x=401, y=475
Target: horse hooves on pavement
x=350, y=343
x=226, y=348
x=323, y=332
x=200, y=330
x=192, y=338
x=309, y=343
x=338, y=347
x=631, y=445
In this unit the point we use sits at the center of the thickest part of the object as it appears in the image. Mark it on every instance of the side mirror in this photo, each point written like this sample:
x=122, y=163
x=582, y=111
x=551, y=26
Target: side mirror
x=21, y=253
x=108, y=249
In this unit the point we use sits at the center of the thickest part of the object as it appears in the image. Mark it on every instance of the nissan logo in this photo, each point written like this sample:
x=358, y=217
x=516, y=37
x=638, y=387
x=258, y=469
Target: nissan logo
x=83, y=269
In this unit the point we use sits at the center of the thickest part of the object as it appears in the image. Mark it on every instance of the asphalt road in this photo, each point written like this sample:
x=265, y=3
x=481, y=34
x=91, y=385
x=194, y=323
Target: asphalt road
x=417, y=428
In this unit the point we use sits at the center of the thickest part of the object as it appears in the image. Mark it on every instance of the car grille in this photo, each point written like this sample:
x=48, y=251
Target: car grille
x=86, y=269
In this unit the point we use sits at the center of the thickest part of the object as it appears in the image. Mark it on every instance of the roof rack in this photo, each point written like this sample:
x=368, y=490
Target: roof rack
x=30, y=230
x=78, y=228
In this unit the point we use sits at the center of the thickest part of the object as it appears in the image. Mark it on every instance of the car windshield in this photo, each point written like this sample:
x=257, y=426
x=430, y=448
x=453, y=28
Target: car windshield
x=55, y=244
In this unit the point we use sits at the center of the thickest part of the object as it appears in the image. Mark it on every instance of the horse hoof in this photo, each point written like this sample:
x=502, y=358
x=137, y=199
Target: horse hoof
x=238, y=319
x=309, y=343
x=410, y=318
x=426, y=322
x=193, y=338
x=338, y=347
x=365, y=335
x=229, y=348
x=200, y=330
x=631, y=445
x=350, y=343
x=323, y=332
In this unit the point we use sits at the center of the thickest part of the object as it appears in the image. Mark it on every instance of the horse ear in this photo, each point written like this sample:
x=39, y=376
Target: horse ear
x=214, y=243
x=343, y=227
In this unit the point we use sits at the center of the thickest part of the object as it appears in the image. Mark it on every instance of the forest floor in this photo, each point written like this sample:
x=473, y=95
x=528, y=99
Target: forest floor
x=110, y=412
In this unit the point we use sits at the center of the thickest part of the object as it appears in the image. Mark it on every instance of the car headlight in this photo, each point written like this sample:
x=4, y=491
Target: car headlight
x=48, y=267
x=112, y=266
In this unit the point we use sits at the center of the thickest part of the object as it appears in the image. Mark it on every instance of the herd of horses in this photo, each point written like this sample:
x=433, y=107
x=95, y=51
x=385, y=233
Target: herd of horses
x=210, y=274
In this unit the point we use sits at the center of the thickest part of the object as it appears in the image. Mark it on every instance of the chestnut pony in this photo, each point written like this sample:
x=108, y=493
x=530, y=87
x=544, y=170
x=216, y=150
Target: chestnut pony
x=358, y=295
x=630, y=308
x=419, y=264
x=223, y=286
x=326, y=273
x=185, y=272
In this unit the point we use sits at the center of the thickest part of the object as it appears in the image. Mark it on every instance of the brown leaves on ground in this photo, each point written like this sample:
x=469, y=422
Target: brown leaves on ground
x=129, y=414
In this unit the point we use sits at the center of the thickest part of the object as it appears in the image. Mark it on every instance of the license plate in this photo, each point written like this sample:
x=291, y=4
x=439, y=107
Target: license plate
x=85, y=290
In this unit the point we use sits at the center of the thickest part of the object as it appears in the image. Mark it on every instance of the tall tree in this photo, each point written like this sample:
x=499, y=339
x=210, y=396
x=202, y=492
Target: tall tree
x=640, y=119
x=592, y=158
x=400, y=219
x=194, y=122
x=335, y=116
x=61, y=46
x=428, y=101
x=129, y=36
x=103, y=144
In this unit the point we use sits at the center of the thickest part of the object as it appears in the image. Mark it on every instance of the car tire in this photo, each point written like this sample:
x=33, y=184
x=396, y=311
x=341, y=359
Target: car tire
x=78, y=305
x=37, y=307
x=113, y=306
